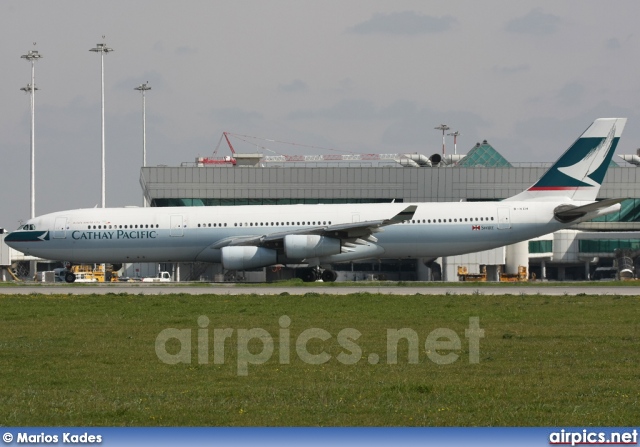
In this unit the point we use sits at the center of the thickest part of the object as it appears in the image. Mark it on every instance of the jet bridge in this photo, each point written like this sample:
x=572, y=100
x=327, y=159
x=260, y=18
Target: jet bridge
x=5, y=256
x=5, y=250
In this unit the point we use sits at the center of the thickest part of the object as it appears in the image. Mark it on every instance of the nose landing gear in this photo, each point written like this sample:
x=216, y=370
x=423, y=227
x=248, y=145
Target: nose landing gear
x=69, y=277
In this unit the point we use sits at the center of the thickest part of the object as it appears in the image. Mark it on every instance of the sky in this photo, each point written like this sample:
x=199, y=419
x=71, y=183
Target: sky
x=357, y=76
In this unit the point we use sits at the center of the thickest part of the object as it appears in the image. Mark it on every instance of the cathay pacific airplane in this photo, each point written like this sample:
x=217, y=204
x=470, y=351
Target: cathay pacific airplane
x=247, y=237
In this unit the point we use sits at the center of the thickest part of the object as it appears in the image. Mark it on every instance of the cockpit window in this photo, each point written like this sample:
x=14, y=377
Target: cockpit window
x=28, y=227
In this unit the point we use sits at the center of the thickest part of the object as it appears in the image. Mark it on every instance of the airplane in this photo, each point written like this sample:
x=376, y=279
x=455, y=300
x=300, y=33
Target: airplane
x=254, y=236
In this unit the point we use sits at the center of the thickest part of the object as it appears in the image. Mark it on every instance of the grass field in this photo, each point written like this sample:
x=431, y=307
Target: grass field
x=543, y=361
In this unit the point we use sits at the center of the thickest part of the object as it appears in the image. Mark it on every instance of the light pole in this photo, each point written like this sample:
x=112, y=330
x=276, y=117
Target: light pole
x=32, y=56
x=102, y=48
x=443, y=128
x=455, y=136
x=143, y=88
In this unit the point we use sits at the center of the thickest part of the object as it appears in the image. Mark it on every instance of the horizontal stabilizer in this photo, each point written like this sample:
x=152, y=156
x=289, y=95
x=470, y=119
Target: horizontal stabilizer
x=569, y=213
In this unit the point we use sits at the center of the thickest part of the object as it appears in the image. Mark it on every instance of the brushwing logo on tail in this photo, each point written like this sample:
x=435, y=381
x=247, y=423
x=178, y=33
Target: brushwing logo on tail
x=583, y=166
x=582, y=170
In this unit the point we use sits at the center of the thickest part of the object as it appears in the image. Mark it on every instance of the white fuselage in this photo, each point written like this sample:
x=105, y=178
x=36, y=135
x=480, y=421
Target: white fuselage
x=186, y=234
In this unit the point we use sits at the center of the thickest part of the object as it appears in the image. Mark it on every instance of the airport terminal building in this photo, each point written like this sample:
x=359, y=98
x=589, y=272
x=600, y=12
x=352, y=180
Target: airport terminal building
x=585, y=250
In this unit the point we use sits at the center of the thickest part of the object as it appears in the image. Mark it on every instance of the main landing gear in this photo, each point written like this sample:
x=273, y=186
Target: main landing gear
x=315, y=273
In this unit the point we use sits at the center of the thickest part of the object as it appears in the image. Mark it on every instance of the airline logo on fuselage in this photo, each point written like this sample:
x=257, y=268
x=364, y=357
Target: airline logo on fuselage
x=112, y=235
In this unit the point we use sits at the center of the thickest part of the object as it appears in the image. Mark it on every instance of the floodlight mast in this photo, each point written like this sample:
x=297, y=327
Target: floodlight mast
x=32, y=56
x=102, y=48
x=455, y=136
x=143, y=88
x=443, y=128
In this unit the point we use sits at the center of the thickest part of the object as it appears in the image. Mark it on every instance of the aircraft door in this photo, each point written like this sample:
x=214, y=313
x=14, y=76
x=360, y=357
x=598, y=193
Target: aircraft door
x=504, y=221
x=60, y=228
x=176, y=225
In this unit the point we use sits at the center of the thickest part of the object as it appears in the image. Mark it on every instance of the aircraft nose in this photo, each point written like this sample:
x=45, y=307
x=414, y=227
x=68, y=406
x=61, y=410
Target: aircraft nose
x=10, y=237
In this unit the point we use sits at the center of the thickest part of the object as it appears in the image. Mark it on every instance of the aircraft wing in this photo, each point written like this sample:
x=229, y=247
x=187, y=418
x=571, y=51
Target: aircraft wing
x=349, y=232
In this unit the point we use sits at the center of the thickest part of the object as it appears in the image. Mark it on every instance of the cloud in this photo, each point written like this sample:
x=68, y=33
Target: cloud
x=404, y=124
x=182, y=50
x=407, y=23
x=235, y=115
x=613, y=44
x=571, y=94
x=152, y=78
x=414, y=127
x=185, y=50
x=536, y=23
x=294, y=86
x=348, y=109
x=553, y=133
x=512, y=69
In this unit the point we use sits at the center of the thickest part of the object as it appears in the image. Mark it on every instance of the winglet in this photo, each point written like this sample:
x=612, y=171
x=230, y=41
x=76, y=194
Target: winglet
x=405, y=214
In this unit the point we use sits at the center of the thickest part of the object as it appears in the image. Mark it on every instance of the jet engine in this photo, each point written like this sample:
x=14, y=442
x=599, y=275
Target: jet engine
x=304, y=246
x=243, y=258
